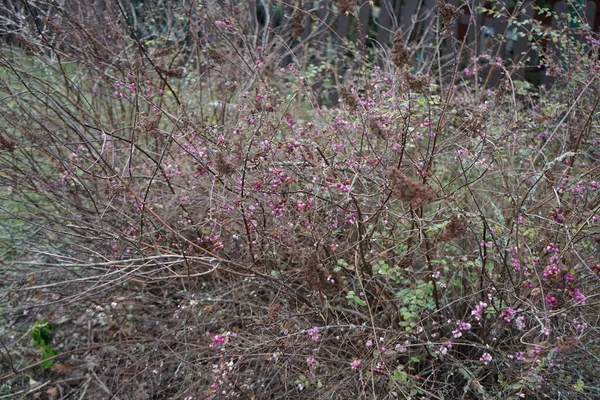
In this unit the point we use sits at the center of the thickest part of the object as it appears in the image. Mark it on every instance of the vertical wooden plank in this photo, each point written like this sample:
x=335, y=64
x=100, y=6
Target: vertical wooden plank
x=342, y=25
x=590, y=13
x=449, y=41
x=498, y=30
x=364, y=15
x=522, y=47
x=427, y=36
x=307, y=24
x=409, y=10
x=323, y=14
x=397, y=15
x=385, y=22
x=560, y=8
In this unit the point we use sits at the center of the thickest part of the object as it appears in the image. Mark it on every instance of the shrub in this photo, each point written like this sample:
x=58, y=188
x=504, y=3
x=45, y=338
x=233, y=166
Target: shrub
x=180, y=198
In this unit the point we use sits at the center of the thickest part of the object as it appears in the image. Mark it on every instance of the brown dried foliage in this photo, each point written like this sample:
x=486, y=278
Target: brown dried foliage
x=348, y=98
x=215, y=55
x=448, y=14
x=7, y=144
x=455, y=228
x=409, y=191
x=52, y=26
x=165, y=51
x=418, y=83
x=374, y=127
x=477, y=123
x=224, y=166
x=345, y=6
x=28, y=46
x=297, y=23
x=174, y=73
x=149, y=125
x=400, y=54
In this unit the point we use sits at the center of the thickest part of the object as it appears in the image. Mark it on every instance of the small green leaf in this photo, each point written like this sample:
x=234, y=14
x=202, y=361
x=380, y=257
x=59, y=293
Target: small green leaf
x=401, y=376
x=47, y=352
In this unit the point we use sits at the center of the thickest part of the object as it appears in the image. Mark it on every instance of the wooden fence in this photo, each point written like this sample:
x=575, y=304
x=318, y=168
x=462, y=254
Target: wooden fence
x=378, y=20
x=370, y=22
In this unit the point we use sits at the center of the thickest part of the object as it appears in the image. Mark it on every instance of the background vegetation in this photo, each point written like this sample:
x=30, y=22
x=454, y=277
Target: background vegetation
x=205, y=200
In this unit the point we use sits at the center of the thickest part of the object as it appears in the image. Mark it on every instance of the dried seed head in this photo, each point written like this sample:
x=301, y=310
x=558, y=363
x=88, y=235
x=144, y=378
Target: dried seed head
x=28, y=46
x=455, y=228
x=52, y=26
x=174, y=72
x=215, y=55
x=165, y=51
x=297, y=23
x=149, y=125
x=345, y=6
x=7, y=144
x=409, y=191
x=374, y=127
x=224, y=166
x=418, y=83
x=400, y=54
x=448, y=14
x=348, y=98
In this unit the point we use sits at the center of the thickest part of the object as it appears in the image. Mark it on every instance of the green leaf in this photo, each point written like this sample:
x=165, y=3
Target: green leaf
x=400, y=376
x=47, y=352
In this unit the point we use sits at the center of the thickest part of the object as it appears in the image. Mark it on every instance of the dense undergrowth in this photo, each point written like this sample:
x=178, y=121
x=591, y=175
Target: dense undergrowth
x=188, y=211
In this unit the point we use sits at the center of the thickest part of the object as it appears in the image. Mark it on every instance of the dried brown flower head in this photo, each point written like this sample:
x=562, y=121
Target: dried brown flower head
x=477, y=123
x=348, y=98
x=7, y=144
x=448, y=14
x=400, y=54
x=345, y=6
x=374, y=127
x=165, y=51
x=418, y=83
x=224, y=166
x=215, y=55
x=409, y=191
x=273, y=313
x=314, y=275
x=455, y=228
x=174, y=72
x=297, y=23
x=28, y=46
x=149, y=125
x=52, y=26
